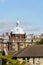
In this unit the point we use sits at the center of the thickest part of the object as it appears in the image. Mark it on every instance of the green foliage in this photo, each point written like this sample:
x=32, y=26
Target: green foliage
x=10, y=61
x=40, y=42
x=23, y=63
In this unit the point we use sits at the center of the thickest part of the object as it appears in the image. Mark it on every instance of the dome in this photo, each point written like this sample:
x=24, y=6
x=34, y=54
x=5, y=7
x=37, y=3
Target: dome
x=17, y=29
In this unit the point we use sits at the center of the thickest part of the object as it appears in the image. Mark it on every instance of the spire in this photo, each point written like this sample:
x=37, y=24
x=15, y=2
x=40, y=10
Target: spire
x=17, y=23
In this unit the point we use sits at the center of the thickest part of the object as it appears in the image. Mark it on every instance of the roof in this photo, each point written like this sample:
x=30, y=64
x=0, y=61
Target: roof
x=13, y=52
x=31, y=51
x=0, y=62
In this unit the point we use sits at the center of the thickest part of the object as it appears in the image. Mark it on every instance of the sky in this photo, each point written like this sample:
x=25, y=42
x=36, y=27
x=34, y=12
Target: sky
x=29, y=13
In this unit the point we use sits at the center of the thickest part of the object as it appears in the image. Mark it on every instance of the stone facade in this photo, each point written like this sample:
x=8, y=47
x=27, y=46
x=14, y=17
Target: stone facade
x=18, y=41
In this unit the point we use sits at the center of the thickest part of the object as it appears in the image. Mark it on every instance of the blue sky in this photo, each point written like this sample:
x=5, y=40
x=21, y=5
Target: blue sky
x=29, y=12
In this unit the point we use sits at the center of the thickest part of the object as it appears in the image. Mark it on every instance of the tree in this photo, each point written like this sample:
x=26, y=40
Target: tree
x=40, y=42
x=9, y=61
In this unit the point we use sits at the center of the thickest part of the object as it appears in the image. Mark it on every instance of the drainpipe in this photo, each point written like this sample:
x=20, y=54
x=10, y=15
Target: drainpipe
x=33, y=61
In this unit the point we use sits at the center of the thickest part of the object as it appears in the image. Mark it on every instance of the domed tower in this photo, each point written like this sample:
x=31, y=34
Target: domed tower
x=18, y=37
x=17, y=23
x=17, y=29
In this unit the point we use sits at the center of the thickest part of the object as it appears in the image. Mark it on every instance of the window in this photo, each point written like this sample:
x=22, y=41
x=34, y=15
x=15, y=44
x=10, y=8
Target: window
x=21, y=44
x=17, y=37
x=38, y=61
x=13, y=44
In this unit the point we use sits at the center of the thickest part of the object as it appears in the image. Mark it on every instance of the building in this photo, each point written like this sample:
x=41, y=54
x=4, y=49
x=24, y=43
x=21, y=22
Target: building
x=33, y=54
x=16, y=40
x=21, y=46
x=4, y=40
x=17, y=37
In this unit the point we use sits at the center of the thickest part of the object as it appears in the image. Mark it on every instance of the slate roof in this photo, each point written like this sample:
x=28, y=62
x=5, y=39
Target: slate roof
x=30, y=51
x=0, y=62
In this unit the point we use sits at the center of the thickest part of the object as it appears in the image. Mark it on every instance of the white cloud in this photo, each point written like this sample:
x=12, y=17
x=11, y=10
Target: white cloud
x=6, y=25
x=32, y=28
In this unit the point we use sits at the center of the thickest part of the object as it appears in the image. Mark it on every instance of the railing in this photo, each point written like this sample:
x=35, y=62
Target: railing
x=18, y=40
